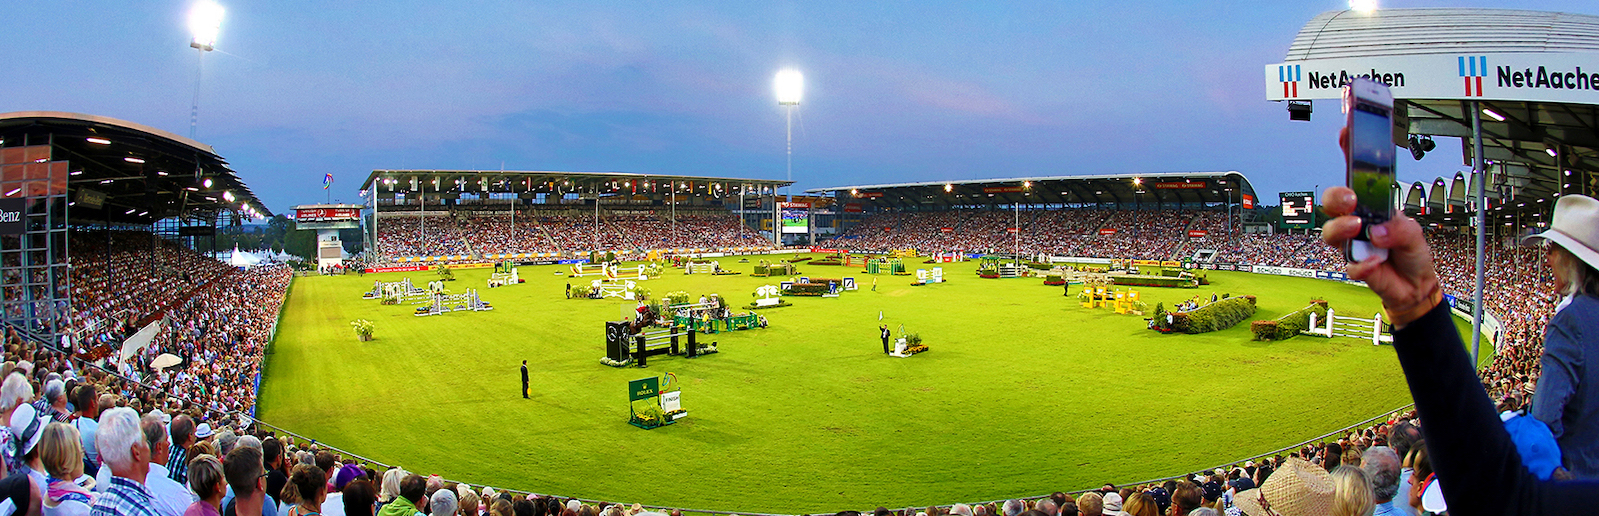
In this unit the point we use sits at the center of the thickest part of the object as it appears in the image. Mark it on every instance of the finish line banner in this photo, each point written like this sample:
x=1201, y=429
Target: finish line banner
x=1544, y=77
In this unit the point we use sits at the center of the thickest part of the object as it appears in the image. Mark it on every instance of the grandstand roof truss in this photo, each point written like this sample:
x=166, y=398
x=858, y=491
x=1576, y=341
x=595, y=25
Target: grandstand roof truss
x=146, y=174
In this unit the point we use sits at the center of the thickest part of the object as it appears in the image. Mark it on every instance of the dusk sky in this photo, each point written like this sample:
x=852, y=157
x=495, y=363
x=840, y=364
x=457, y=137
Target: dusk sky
x=894, y=91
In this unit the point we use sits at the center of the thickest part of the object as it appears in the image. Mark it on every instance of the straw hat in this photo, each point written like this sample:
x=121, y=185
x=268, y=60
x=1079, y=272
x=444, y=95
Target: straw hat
x=1298, y=488
x=1575, y=227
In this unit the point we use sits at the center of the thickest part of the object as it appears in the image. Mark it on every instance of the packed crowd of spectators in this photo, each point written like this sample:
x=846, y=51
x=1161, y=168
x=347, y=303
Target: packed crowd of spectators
x=573, y=232
x=414, y=236
x=1519, y=290
x=219, y=321
x=121, y=278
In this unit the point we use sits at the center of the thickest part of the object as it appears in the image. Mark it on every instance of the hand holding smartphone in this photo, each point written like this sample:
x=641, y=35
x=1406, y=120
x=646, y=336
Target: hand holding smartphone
x=1368, y=110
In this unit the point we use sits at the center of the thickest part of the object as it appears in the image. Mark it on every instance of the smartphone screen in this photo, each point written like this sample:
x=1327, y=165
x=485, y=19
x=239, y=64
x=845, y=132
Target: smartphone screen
x=1371, y=160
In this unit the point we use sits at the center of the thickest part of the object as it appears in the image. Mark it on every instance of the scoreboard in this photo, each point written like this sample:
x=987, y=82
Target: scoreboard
x=1299, y=209
x=327, y=216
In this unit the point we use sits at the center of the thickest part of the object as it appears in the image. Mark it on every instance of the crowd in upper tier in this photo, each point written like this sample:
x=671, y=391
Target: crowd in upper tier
x=478, y=236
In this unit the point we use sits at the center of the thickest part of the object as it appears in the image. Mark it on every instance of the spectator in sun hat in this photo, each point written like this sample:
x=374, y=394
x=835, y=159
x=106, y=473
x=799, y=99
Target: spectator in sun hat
x=27, y=426
x=203, y=432
x=1112, y=503
x=1567, y=395
x=1297, y=488
x=14, y=394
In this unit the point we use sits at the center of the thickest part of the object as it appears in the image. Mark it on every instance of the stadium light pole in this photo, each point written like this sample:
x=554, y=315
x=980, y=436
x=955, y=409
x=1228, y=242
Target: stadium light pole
x=205, y=22
x=1482, y=222
x=790, y=87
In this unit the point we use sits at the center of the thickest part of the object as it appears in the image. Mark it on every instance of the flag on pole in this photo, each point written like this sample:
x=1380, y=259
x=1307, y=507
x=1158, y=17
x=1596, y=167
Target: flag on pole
x=879, y=315
x=327, y=181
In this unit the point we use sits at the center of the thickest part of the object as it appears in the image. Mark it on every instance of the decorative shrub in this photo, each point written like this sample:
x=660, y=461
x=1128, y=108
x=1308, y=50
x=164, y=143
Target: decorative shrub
x=640, y=292
x=827, y=261
x=363, y=328
x=1054, y=280
x=1040, y=266
x=1219, y=315
x=780, y=303
x=806, y=289
x=1153, y=281
x=1264, y=330
x=675, y=298
x=1289, y=325
x=581, y=291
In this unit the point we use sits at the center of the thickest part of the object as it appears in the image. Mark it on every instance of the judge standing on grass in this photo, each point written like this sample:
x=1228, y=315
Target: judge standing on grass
x=883, y=331
x=524, y=379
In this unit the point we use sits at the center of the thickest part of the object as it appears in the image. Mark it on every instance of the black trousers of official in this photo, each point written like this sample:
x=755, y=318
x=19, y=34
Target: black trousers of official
x=885, y=345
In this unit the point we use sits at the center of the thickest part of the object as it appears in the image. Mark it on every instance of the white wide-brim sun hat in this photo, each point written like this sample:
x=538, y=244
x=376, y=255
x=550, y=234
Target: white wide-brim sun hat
x=1575, y=227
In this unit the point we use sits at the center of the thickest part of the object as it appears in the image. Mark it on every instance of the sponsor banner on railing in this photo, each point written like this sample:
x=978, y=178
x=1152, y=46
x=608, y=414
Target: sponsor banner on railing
x=1332, y=275
x=402, y=268
x=1197, y=233
x=827, y=250
x=1075, y=259
x=1284, y=271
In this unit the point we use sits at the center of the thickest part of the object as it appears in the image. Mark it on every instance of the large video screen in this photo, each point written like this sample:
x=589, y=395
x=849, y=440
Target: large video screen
x=1299, y=209
x=796, y=217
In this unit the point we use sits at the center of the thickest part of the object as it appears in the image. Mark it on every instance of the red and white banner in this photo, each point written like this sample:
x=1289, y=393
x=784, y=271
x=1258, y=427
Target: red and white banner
x=853, y=207
x=826, y=250
x=1013, y=230
x=1249, y=202
x=1107, y=231
x=1197, y=233
x=326, y=214
x=402, y=268
x=794, y=205
x=946, y=230
x=869, y=195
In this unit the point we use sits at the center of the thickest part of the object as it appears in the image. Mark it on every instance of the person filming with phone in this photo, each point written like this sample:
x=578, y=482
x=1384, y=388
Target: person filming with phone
x=1476, y=464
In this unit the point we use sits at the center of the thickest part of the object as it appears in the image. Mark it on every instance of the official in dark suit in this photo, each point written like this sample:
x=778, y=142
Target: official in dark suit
x=885, y=334
x=524, y=379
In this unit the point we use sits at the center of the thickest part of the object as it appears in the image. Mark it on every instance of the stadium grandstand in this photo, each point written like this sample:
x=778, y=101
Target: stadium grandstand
x=426, y=216
x=109, y=266
x=1138, y=216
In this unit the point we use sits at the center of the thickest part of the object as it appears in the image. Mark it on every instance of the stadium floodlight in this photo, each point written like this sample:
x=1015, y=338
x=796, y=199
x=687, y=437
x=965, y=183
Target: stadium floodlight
x=228, y=196
x=948, y=187
x=205, y=23
x=207, y=182
x=790, y=86
x=98, y=141
x=1551, y=152
x=1363, y=6
x=1493, y=115
x=131, y=159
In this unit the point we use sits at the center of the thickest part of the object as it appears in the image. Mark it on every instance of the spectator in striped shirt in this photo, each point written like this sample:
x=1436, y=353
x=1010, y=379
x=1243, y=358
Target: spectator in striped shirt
x=182, y=431
x=124, y=450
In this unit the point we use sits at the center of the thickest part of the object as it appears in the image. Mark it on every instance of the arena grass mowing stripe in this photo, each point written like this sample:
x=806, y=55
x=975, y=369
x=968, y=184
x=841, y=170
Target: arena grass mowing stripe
x=1024, y=392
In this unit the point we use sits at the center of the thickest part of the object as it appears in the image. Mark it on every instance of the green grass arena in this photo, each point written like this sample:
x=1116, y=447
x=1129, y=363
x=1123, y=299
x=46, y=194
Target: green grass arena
x=1023, y=392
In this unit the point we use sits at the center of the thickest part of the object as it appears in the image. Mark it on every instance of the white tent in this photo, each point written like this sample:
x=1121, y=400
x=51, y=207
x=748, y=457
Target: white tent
x=242, y=259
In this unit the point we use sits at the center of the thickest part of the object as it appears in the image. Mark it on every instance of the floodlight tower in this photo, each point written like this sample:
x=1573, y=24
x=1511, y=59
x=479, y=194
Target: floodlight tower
x=790, y=86
x=205, y=22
